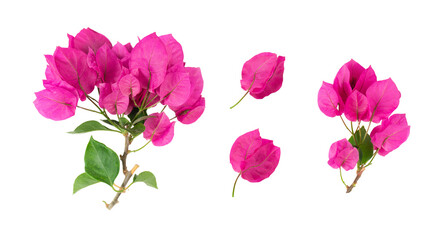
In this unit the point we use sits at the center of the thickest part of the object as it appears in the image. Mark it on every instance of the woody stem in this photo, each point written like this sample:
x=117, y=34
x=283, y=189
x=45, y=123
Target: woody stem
x=359, y=172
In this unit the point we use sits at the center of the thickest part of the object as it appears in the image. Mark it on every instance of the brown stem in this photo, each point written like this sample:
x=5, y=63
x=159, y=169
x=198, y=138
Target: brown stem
x=359, y=172
x=128, y=174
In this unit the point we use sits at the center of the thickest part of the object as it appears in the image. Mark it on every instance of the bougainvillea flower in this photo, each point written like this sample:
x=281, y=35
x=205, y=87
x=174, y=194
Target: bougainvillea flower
x=262, y=75
x=159, y=129
x=52, y=73
x=73, y=68
x=357, y=107
x=175, y=51
x=329, y=101
x=253, y=157
x=188, y=114
x=343, y=154
x=88, y=39
x=390, y=134
x=262, y=71
x=109, y=67
x=366, y=79
x=115, y=102
x=383, y=97
x=57, y=102
x=129, y=85
x=123, y=52
x=150, y=59
x=176, y=88
x=346, y=78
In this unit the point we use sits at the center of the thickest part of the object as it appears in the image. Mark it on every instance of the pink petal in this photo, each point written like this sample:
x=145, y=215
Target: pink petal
x=159, y=129
x=357, y=107
x=341, y=83
x=355, y=70
x=262, y=163
x=329, y=101
x=243, y=148
x=176, y=88
x=72, y=67
x=196, y=82
x=88, y=38
x=274, y=83
x=110, y=69
x=366, y=79
x=174, y=49
x=116, y=102
x=122, y=53
x=56, y=102
x=150, y=101
x=390, y=134
x=129, y=85
x=348, y=158
x=383, y=97
x=257, y=71
x=150, y=57
x=191, y=114
x=51, y=71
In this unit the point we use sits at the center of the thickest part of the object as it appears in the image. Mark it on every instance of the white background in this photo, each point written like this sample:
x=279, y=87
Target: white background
x=397, y=197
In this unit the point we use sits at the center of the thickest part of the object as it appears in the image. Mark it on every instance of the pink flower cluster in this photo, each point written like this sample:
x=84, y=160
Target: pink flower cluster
x=127, y=78
x=358, y=95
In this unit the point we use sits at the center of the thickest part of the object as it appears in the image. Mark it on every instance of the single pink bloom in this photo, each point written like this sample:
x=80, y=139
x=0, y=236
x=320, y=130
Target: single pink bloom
x=383, y=97
x=357, y=107
x=129, y=85
x=343, y=154
x=88, y=38
x=73, y=68
x=159, y=129
x=58, y=101
x=150, y=60
x=188, y=114
x=254, y=157
x=175, y=51
x=329, y=101
x=263, y=74
x=346, y=78
x=176, y=88
x=390, y=134
x=109, y=66
x=115, y=102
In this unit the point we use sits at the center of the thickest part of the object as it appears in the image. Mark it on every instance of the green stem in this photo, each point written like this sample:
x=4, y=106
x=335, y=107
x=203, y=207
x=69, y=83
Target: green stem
x=373, y=157
x=341, y=176
x=353, y=134
x=142, y=146
x=234, y=185
x=345, y=125
x=240, y=99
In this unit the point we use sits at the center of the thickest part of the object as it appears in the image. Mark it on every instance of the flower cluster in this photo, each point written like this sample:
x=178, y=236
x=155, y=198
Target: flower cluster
x=253, y=157
x=129, y=80
x=356, y=94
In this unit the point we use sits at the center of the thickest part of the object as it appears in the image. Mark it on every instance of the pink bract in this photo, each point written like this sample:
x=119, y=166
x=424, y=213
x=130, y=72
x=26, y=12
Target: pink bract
x=57, y=102
x=175, y=51
x=383, y=97
x=88, y=38
x=150, y=58
x=159, y=129
x=343, y=154
x=357, y=107
x=190, y=114
x=109, y=66
x=73, y=68
x=129, y=85
x=329, y=101
x=254, y=157
x=263, y=74
x=390, y=134
x=176, y=88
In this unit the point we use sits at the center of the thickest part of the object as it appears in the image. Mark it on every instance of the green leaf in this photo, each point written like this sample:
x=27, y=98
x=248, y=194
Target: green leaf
x=82, y=181
x=138, y=129
x=365, y=147
x=101, y=162
x=108, y=122
x=147, y=177
x=90, y=126
x=123, y=122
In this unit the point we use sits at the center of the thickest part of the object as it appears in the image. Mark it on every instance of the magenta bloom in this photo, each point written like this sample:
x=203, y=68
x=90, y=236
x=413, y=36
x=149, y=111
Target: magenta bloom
x=383, y=97
x=176, y=88
x=88, y=39
x=175, y=51
x=343, y=154
x=262, y=75
x=329, y=101
x=150, y=60
x=390, y=134
x=253, y=157
x=159, y=129
x=58, y=101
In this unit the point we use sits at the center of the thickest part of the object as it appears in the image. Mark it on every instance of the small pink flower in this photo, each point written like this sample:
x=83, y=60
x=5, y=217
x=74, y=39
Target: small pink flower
x=159, y=129
x=262, y=75
x=390, y=134
x=343, y=154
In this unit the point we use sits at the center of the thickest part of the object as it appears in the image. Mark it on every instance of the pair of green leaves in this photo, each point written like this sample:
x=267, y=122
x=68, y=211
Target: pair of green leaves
x=92, y=125
x=364, y=145
x=102, y=165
